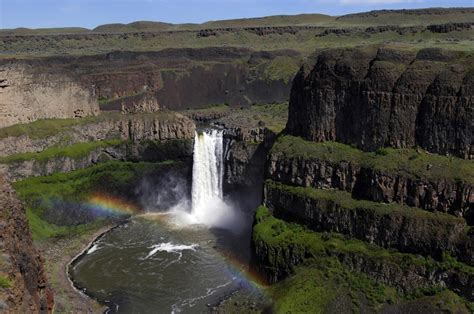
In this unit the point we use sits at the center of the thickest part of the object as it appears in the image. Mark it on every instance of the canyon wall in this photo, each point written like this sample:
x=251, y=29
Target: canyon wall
x=26, y=289
x=374, y=171
x=139, y=137
x=28, y=94
x=378, y=98
x=167, y=79
x=423, y=188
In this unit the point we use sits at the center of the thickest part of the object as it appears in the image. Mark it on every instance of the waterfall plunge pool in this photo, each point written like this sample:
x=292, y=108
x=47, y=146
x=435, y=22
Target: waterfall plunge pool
x=147, y=265
x=181, y=261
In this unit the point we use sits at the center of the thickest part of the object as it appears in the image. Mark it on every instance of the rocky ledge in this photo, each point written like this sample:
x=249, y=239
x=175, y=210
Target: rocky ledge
x=139, y=137
x=411, y=177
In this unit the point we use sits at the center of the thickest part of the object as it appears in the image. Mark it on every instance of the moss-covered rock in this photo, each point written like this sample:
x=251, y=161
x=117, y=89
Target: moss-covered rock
x=280, y=247
x=392, y=226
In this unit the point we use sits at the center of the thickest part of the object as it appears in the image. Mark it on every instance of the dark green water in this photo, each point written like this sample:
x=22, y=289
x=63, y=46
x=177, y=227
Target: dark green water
x=149, y=266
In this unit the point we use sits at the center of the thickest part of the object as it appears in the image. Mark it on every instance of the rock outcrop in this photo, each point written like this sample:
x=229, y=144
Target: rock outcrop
x=27, y=94
x=407, y=230
x=159, y=126
x=26, y=290
x=139, y=137
x=395, y=98
x=455, y=197
x=145, y=102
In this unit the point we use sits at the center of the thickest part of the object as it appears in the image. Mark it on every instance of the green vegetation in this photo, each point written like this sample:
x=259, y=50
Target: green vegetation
x=283, y=243
x=281, y=68
x=74, y=151
x=316, y=290
x=5, y=282
x=344, y=200
x=41, y=230
x=391, y=17
x=49, y=127
x=40, y=194
x=409, y=162
x=153, y=36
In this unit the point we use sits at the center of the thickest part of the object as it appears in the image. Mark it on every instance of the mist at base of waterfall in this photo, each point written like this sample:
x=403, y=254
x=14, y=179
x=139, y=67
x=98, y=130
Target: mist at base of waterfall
x=207, y=205
x=180, y=256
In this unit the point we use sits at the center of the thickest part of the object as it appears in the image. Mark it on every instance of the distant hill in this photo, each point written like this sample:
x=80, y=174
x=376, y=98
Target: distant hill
x=381, y=17
x=409, y=17
x=44, y=31
x=139, y=26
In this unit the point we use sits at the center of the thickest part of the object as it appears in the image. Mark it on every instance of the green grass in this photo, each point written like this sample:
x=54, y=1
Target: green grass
x=314, y=289
x=112, y=178
x=345, y=200
x=74, y=151
x=409, y=162
x=49, y=127
x=320, y=277
x=304, y=41
x=281, y=68
x=5, y=282
x=278, y=234
x=41, y=230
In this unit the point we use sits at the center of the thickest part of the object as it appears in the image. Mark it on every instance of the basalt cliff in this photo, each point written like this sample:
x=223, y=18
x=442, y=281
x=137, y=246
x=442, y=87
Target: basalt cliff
x=377, y=98
x=374, y=168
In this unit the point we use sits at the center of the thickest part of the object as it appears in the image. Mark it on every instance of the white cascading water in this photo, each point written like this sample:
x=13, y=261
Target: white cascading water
x=208, y=169
x=207, y=199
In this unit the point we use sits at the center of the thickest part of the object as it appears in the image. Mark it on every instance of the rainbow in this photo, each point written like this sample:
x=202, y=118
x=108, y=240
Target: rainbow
x=251, y=278
x=110, y=205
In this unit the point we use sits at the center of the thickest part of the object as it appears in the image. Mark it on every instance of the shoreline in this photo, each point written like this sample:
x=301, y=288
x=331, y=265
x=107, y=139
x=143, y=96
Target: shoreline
x=97, y=236
x=59, y=256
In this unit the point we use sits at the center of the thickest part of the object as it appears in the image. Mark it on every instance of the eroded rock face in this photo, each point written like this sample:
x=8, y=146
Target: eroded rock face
x=245, y=156
x=21, y=262
x=407, y=233
x=141, y=137
x=277, y=262
x=453, y=197
x=384, y=98
x=27, y=95
x=158, y=126
x=145, y=102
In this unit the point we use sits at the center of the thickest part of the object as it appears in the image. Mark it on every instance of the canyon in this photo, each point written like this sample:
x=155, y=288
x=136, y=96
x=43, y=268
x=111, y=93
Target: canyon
x=355, y=163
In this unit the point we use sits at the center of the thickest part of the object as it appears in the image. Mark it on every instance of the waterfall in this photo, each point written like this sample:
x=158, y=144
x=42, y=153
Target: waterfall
x=208, y=170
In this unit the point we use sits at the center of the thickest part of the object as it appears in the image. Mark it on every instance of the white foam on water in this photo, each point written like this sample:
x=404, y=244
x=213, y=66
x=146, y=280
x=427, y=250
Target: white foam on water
x=169, y=247
x=94, y=248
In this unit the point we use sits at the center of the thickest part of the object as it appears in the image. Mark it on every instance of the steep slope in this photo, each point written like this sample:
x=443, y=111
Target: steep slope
x=348, y=186
x=28, y=94
x=378, y=98
x=24, y=287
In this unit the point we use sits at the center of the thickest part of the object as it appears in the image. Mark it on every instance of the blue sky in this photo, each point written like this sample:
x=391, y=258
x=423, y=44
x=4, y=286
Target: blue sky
x=90, y=13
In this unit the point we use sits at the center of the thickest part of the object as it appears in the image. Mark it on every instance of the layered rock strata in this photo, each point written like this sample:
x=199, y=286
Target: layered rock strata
x=140, y=137
x=27, y=95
